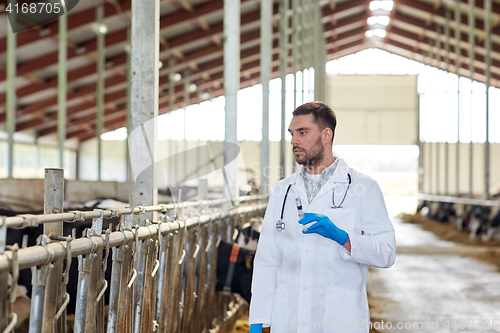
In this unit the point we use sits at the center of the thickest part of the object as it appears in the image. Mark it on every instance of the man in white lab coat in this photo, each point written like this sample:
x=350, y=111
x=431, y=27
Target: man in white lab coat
x=310, y=273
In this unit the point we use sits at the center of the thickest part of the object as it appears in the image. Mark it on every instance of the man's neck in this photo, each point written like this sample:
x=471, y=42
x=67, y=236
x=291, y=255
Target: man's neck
x=317, y=169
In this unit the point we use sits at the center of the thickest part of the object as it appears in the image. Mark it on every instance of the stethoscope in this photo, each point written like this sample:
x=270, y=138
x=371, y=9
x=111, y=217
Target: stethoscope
x=280, y=224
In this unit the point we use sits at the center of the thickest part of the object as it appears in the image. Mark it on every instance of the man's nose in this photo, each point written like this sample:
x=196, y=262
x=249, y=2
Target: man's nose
x=294, y=141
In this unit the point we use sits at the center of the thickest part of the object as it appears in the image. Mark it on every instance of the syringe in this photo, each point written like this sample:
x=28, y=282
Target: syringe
x=300, y=211
x=299, y=208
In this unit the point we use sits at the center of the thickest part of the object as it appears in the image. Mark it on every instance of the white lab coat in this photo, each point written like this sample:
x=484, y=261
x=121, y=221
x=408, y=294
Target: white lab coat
x=308, y=283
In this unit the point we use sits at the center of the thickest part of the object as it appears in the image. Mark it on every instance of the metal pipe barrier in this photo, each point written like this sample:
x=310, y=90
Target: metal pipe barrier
x=163, y=273
x=465, y=201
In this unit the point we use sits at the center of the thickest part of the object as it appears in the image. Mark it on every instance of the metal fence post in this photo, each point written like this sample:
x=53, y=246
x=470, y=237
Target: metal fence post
x=53, y=199
x=4, y=306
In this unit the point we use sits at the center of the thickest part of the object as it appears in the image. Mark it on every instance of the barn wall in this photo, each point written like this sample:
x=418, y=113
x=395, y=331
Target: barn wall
x=174, y=171
x=432, y=177
x=375, y=109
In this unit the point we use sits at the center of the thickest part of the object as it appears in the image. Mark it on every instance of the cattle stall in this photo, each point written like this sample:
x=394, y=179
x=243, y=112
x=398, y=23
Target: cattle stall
x=158, y=276
x=480, y=217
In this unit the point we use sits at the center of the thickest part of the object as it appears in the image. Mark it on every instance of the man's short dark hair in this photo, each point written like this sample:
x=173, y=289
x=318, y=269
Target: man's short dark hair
x=323, y=115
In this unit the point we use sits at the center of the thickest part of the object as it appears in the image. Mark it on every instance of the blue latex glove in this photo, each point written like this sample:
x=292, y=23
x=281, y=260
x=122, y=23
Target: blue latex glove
x=256, y=328
x=324, y=227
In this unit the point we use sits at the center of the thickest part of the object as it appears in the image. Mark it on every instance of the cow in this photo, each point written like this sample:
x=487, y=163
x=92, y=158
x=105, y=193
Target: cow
x=249, y=234
x=237, y=279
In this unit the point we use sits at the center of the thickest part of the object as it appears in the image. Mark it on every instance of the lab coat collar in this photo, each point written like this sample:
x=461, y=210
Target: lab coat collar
x=339, y=176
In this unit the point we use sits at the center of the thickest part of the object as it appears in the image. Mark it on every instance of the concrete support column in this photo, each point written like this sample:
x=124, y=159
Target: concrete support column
x=458, y=33
x=61, y=86
x=144, y=102
x=487, y=46
x=231, y=87
x=447, y=146
x=171, y=172
x=295, y=41
x=266, y=44
x=10, y=105
x=431, y=169
x=304, y=47
x=100, y=85
x=187, y=84
x=320, y=56
x=310, y=44
x=128, y=173
x=283, y=55
x=472, y=56
x=437, y=56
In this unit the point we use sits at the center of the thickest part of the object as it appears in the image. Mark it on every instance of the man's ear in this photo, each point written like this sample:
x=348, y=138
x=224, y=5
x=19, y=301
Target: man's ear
x=327, y=135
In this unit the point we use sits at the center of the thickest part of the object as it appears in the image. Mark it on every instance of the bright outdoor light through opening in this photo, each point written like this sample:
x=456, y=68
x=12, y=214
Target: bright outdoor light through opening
x=383, y=20
x=376, y=33
x=382, y=4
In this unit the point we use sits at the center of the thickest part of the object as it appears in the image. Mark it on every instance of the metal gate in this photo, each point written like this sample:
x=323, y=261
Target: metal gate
x=162, y=272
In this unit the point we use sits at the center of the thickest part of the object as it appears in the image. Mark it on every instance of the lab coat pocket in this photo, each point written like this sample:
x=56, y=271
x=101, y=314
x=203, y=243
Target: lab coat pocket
x=344, y=218
x=344, y=310
x=280, y=309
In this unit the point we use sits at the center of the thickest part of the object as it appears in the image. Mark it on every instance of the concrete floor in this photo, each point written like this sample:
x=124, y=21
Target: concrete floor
x=434, y=292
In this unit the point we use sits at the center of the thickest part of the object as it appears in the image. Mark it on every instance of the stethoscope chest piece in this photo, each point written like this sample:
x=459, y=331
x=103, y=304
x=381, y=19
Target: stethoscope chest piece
x=280, y=225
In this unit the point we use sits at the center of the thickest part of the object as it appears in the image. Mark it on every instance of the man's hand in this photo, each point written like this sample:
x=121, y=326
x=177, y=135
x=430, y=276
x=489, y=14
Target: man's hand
x=256, y=328
x=324, y=227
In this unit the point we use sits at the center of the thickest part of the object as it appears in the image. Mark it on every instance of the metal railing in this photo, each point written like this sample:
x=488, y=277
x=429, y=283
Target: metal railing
x=163, y=272
x=465, y=201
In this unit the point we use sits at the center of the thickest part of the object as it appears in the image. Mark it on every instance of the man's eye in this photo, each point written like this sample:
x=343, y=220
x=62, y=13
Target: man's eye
x=302, y=133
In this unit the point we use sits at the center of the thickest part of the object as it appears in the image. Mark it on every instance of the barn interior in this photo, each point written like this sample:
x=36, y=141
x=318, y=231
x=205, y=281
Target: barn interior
x=169, y=119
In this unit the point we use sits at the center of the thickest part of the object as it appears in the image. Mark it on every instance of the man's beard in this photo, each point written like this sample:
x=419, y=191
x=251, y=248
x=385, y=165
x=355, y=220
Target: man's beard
x=311, y=157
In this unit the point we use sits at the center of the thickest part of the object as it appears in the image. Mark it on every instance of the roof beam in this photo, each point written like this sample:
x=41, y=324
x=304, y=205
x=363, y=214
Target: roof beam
x=185, y=4
x=421, y=52
x=464, y=35
x=250, y=62
x=115, y=37
x=76, y=20
x=441, y=12
x=111, y=39
x=244, y=82
x=165, y=22
x=90, y=89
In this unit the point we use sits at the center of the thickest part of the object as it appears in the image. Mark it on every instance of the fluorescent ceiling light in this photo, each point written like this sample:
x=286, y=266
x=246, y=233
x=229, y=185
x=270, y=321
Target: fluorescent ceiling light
x=192, y=87
x=100, y=29
x=382, y=4
x=383, y=20
x=376, y=33
x=176, y=77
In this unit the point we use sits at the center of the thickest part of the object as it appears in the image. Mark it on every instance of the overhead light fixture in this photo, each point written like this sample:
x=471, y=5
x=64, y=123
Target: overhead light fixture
x=382, y=20
x=381, y=4
x=192, y=87
x=160, y=64
x=99, y=29
x=381, y=33
x=206, y=95
x=176, y=77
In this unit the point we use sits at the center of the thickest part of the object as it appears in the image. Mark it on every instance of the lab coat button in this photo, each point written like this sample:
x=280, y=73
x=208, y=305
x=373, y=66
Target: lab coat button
x=307, y=250
x=305, y=288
